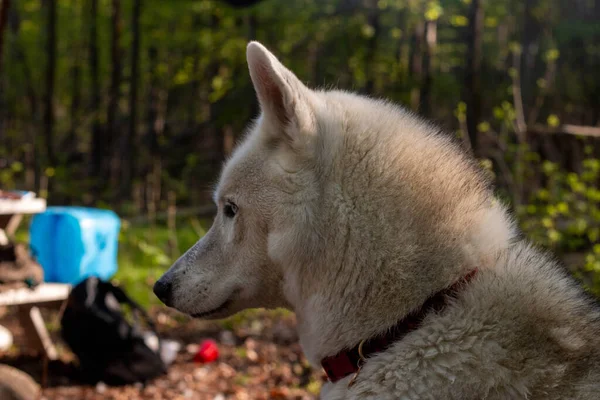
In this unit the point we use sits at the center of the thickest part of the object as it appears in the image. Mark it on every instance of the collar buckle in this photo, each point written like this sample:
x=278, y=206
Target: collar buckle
x=359, y=363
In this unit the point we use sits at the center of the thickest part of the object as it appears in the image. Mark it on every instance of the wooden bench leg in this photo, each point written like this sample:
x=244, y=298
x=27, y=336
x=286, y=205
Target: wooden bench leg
x=13, y=225
x=3, y=238
x=33, y=325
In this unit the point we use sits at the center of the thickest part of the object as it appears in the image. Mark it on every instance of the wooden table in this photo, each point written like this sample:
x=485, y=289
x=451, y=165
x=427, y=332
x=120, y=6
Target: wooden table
x=12, y=211
x=27, y=300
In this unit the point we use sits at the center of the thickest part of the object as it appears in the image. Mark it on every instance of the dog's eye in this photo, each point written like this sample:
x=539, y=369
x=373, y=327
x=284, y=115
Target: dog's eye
x=230, y=209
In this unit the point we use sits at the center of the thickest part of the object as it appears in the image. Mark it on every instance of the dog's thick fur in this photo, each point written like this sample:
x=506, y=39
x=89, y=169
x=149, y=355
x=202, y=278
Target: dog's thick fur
x=351, y=212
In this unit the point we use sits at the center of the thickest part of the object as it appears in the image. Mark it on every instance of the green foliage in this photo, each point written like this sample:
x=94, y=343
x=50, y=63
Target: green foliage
x=145, y=254
x=557, y=208
x=192, y=62
x=192, y=57
x=565, y=213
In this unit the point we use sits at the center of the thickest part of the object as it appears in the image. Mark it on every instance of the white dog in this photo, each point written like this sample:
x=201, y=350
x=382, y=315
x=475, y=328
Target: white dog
x=406, y=275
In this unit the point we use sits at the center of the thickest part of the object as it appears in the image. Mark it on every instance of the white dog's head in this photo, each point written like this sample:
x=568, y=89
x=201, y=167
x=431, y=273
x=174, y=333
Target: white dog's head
x=231, y=267
x=334, y=196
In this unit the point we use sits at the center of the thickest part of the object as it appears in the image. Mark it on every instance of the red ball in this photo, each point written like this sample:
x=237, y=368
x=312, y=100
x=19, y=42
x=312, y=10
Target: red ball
x=208, y=352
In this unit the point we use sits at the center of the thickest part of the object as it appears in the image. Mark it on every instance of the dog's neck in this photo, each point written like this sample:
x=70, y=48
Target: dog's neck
x=349, y=361
x=329, y=324
x=342, y=300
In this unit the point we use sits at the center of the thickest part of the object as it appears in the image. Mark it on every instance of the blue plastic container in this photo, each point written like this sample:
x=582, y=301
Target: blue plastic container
x=73, y=243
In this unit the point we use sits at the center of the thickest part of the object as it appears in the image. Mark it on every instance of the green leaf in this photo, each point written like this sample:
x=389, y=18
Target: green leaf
x=459, y=20
x=434, y=11
x=553, y=121
x=483, y=127
x=551, y=55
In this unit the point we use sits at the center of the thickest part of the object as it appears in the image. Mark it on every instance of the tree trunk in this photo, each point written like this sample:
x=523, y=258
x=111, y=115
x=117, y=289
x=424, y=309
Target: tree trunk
x=192, y=113
x=214, y=131
x=402, y=57
x=151, y=141
x=71, y=142
x=473, y=70
x=129, y=148
x=157, y=109
x=416, y=65
x=112, y=135
x=430, y=43
x=596, y=64
x=4, y=7
x=529, y=53
x=32, y=149
x=69, y=147
x=375, y=23
x=251, y=24
x=50, y=72
x=98, y=144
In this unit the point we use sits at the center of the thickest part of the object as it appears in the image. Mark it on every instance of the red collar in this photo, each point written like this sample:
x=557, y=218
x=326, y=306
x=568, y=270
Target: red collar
x=348, y=362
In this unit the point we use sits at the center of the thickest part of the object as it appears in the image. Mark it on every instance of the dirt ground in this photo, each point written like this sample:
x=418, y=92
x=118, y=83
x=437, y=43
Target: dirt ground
x=259, y=359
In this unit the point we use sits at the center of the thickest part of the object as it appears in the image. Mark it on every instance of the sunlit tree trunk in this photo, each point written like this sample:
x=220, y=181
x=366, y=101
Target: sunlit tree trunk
x=430, y=44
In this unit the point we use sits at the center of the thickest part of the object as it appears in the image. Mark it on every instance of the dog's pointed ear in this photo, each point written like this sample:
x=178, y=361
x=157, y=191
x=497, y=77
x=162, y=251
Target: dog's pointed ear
x=284, y=100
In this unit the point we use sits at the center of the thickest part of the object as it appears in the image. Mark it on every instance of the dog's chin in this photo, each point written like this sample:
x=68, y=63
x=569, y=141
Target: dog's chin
x=226, y=309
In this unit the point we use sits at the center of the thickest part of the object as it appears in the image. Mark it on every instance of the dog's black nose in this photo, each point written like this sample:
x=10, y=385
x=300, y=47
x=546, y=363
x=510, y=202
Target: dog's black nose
x=162, y=290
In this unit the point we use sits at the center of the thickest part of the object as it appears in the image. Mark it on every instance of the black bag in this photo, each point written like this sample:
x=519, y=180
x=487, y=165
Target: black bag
x=108, y=347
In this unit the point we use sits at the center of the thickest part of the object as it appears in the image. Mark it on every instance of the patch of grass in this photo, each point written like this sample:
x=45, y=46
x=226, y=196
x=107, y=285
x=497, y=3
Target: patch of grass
x=146, y=252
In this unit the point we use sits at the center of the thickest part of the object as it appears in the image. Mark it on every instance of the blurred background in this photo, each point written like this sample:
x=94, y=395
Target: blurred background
x=133, y=105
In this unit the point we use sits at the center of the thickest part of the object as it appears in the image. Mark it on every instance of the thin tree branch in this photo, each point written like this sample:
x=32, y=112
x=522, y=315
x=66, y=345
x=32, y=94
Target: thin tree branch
x=581, y=130
x=521, y=126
